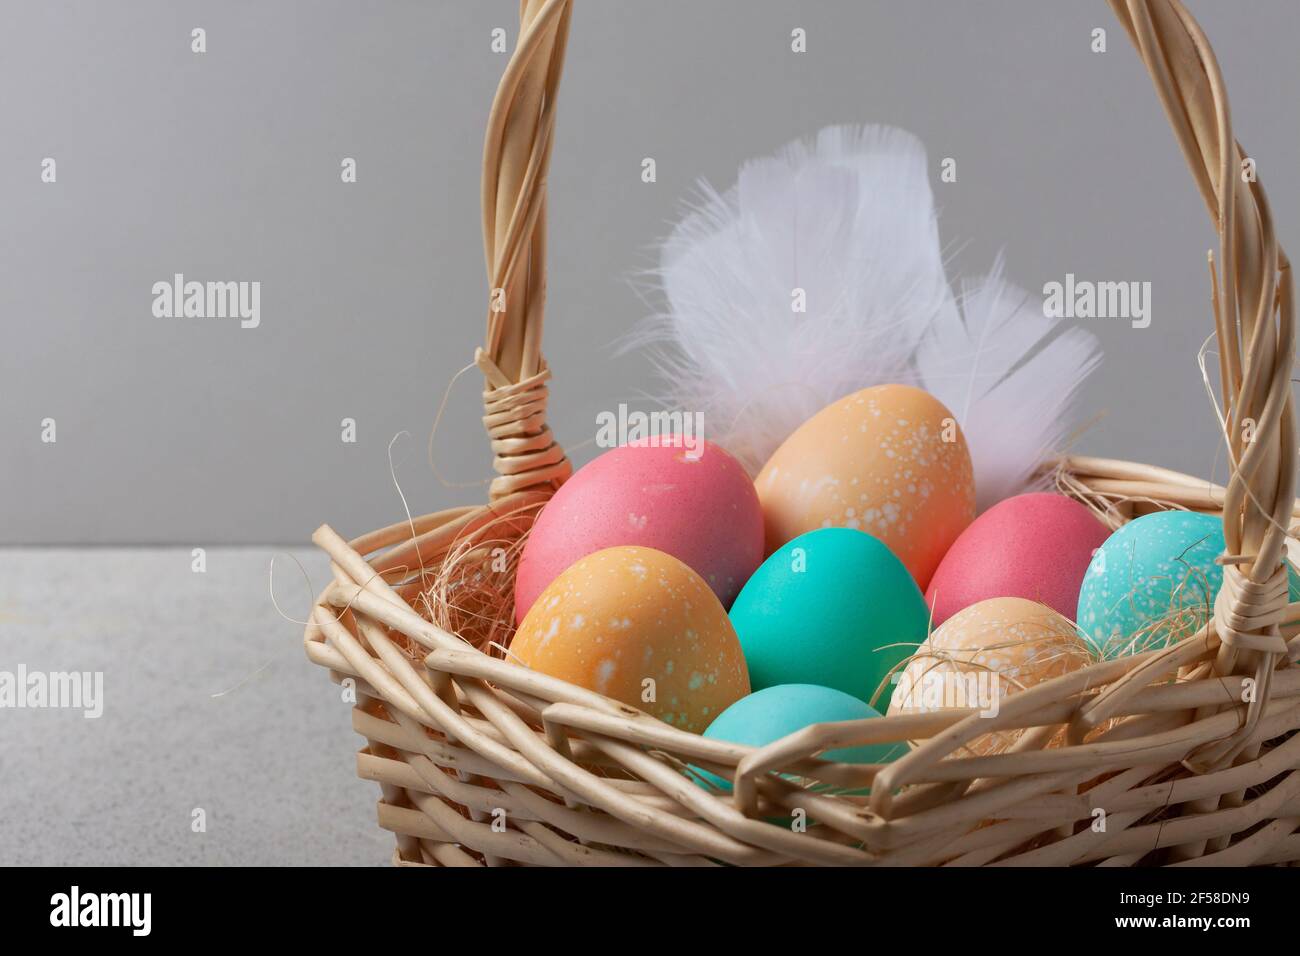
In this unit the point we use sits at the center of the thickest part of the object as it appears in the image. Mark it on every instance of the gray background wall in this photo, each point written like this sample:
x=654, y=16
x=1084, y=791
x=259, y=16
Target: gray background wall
x=226, y=166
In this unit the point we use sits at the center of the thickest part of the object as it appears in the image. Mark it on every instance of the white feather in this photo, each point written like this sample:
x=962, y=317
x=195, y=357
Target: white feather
x=848, y=218
x=1011, y=377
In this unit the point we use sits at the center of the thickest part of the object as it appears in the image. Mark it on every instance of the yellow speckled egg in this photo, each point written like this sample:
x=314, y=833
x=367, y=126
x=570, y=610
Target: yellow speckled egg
x=985, y=653
x=624, y=616
x=888, y=460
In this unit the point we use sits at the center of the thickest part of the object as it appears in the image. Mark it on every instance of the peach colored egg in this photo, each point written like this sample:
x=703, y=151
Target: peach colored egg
x=627, y=615
x=888, y=460
x=985, y=653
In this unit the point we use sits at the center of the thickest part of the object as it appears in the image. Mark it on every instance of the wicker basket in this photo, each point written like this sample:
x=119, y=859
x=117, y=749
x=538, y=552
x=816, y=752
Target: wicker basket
x=1188, y=754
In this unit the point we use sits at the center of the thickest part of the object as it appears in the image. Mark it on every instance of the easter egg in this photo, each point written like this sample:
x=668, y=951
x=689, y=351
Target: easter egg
x=624, y=616
x=693, y=501
x=775, y=712
x=985, y=653
x=834, y=608
x=1152, y=583
x=888, y=460
x=1034, y=546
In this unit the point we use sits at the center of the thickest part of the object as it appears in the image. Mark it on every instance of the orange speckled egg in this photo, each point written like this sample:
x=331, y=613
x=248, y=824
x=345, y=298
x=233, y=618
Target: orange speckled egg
x=624, y=615
x=888, y=460
x=985, y=653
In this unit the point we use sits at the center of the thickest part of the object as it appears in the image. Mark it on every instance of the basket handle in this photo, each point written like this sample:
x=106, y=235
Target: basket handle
x=516, y=156
x=1254, y=312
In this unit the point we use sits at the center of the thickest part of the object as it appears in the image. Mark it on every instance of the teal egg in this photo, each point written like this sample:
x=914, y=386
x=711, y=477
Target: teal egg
x=776, y=712
x=835, y=608
x=1153, y=582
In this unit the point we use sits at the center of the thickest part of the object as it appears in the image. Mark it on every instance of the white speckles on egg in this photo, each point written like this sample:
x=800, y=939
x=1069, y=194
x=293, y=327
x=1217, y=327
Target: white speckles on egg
x=551, y=631
x=604, y=673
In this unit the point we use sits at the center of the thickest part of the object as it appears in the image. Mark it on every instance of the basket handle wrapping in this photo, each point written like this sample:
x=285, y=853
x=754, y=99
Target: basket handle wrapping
x=516, y=155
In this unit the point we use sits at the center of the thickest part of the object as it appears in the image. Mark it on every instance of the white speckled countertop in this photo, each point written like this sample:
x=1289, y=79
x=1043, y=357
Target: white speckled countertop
x=270, y=761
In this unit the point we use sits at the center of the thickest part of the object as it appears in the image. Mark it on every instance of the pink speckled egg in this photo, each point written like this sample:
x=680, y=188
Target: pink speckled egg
x=695, y=503
x=1035, y=546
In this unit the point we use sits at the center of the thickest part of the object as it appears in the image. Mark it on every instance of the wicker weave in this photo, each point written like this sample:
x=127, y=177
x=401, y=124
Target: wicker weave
x=1190, y=751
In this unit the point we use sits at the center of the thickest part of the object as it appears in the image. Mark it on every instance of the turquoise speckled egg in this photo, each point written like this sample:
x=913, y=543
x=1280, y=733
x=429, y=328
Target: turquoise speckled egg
x=835, y=608
x=776, y=712
x=1152, y=583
